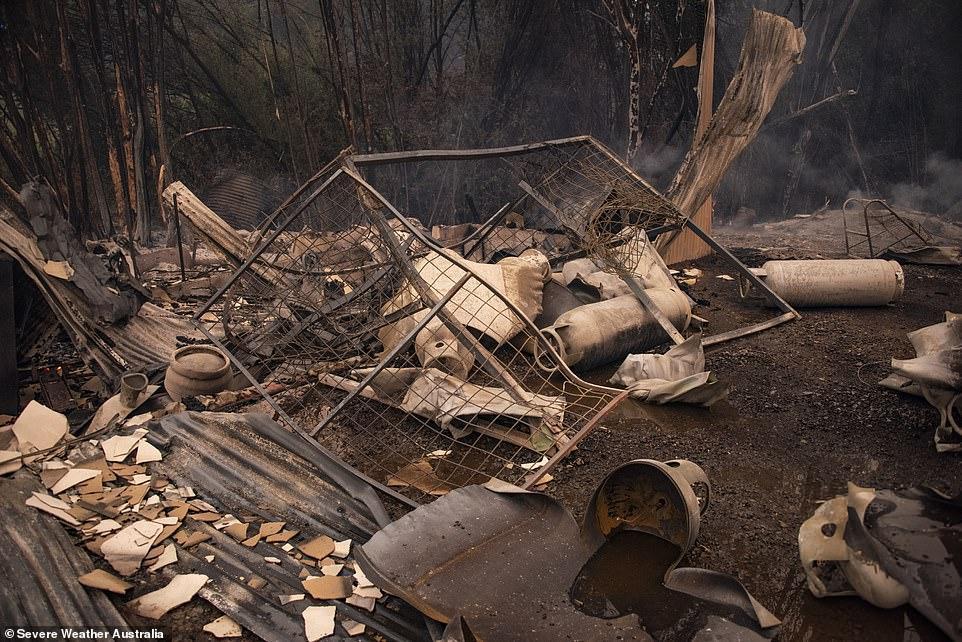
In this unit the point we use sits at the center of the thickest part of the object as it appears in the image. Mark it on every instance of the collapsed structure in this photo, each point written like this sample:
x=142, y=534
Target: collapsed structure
x=404, y=362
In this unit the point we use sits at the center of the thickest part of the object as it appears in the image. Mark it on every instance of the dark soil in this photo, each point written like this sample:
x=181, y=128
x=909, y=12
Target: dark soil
x=805, y=416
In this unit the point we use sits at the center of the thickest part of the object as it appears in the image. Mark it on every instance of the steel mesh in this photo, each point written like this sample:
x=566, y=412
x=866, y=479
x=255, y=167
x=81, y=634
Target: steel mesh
x=330, y=314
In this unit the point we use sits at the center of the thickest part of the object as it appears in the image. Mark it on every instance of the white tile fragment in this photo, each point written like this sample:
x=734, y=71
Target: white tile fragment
x=53, y=506
x=318, y=622
x=73, y=477
x=287, y=599
x=224, y=627
x=341, y=549
x=180, y=590
x=169, y=556
x=39, y=427
x=147, y=452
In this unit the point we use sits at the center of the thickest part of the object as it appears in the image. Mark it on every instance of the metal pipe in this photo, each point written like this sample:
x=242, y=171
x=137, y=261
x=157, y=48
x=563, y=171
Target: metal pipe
x=180, y=241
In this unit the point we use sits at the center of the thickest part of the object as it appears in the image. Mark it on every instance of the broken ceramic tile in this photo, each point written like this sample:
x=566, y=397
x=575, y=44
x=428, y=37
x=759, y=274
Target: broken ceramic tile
x=180, y=590
x=353, y=628
x=39, y=428
x=341, y=549
x=53, y=506
x=225, y=521
x=137, y=420
x=370, y=591
x=105, y=526
x=283, y=536
x=224, y=627
x=118, y=447
x=169, y=556
x=331, y=569
x=101, y=579
x=366, y=603
x=201, y=505
x=125, y=550
x=328, y=587
x=147, y=452
x=10, y=461
x=318, y=548
x=209, y=559
x=361, y=579
x=318, y=622
x=287, y=599
x=136, y=493
x=139, y=479
x=272, y=560
x=238, y=531
x=251, y=542
x=270, y=528
x=188, y=538
x=73, y=477
x=287, y=547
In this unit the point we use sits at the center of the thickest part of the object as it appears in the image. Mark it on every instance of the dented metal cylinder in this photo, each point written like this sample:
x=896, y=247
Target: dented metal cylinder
x=599, y=333
x=842, y=282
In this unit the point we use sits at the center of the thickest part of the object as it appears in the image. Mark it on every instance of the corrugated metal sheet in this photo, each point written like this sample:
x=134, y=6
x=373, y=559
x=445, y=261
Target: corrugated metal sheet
x=240, y=199
x=39, y=566
x=147, y=338
x=246, y=464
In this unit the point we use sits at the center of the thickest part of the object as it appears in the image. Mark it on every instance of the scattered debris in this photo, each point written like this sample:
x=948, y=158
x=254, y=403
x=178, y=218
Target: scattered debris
x=180, y=590
x=318, y=548
x=117, y=448
x=328, y=587
x=39, y=428
x=166, y=558
x=353, y=628
x=127, y=549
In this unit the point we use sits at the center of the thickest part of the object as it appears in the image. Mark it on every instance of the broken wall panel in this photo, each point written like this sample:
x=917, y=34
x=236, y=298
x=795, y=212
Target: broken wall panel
x=334, y=274
x=39, y=568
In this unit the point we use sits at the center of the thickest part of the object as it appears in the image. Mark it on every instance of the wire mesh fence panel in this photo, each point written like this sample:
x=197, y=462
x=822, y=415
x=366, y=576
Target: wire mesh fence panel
x=419, y=368
x=571, y=196
x=872, y=227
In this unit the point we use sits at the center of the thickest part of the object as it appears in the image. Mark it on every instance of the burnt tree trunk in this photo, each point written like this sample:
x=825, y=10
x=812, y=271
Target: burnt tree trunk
x=771, y=50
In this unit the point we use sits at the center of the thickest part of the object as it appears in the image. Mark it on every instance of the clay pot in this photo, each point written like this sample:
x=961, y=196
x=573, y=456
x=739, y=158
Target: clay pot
x=132, y=385
x=197, y=370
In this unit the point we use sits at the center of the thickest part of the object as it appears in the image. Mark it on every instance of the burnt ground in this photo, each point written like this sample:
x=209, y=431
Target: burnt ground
x=804, y=417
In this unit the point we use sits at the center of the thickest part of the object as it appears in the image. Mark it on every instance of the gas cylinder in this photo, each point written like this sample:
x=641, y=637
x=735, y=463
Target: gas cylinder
x=841, y=282
x=598, y=333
